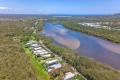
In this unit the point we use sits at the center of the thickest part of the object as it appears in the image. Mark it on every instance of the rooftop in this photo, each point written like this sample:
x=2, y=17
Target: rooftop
x=68, y=75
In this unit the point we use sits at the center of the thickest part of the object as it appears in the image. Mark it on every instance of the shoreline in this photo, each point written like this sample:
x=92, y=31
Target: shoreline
x=95, y=35
x=109, y=50
x=84, y=64
x=84, y=30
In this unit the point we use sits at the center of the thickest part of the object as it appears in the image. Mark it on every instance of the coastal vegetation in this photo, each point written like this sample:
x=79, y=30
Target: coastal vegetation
x=15, y=61
x=14, y=64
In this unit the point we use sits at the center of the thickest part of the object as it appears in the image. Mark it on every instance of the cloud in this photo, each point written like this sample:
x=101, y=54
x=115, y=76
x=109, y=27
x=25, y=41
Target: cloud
x=4, y=8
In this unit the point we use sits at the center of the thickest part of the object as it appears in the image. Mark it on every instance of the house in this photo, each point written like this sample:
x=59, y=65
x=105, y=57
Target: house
x=52, y=62
x=39, y=53
x=34, y=45
x=37, y=48
x=54, y=66
x=45, y=52
x=68, y=76
x=46, y=55
x=31, y=42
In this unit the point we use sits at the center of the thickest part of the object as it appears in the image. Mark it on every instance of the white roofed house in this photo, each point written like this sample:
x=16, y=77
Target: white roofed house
x=37, y=48
x=34, y=45
x=31, y=42
x=45, y=52
x=39, y=53
x=68, y=75
x=46, y=55
x=53, y=64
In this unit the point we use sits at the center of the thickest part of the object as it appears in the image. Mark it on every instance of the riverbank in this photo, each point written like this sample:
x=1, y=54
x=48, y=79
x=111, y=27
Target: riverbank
x=110, y=35
x=91, y=69
x=98, y=49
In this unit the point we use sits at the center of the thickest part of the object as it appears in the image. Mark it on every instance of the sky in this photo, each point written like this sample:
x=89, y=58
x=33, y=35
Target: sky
x=79, y=7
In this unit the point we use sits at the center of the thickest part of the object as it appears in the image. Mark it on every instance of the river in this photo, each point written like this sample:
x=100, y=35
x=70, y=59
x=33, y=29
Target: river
x=98, y=49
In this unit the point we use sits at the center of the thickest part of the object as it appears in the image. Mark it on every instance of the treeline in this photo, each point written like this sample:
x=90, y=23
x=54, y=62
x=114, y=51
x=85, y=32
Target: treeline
x=111, y=35
x=39, y=25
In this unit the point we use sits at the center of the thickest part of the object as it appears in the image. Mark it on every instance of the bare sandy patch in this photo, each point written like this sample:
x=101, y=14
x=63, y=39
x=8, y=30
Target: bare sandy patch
x=70, y=43
x=110, y=46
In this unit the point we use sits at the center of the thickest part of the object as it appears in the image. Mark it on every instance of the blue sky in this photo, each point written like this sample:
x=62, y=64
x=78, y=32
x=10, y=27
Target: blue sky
x=59, y=6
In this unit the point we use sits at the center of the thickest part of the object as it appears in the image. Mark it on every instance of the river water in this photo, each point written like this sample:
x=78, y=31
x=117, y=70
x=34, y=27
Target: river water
x=98, y=49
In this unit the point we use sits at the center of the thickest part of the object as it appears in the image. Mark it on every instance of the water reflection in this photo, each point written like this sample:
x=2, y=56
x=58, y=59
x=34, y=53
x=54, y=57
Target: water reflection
x=98, y=49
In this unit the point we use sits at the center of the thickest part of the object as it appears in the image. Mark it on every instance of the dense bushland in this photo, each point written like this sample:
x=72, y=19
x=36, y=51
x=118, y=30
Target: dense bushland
x=14, y=64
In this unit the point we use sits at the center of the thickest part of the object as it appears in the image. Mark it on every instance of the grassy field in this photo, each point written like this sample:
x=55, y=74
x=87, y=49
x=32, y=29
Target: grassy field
x=14, y=63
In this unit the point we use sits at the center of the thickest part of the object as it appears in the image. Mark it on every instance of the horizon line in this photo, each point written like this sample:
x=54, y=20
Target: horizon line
x=56, y=14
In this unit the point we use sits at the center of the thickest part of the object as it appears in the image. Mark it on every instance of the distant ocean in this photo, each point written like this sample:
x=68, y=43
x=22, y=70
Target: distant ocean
x=57, y=15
